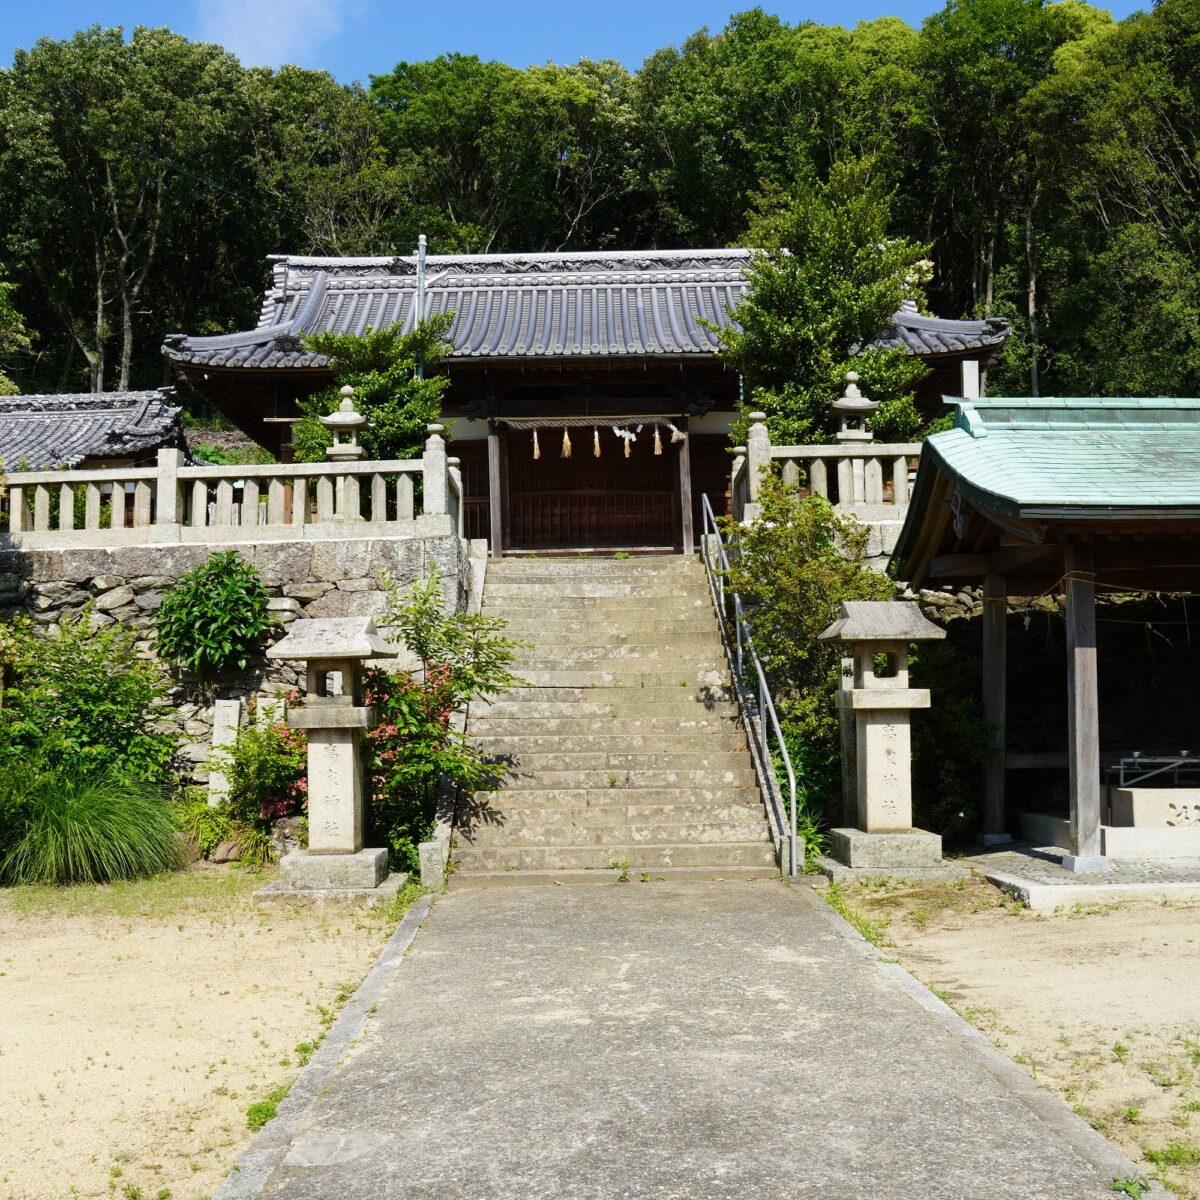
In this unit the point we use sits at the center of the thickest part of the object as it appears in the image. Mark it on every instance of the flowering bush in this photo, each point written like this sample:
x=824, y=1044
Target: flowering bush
x=267, y=770
x=414, y=749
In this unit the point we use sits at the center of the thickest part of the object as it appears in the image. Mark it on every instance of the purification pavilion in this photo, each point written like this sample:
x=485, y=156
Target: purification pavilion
x=614, y=351
x=1062, y=497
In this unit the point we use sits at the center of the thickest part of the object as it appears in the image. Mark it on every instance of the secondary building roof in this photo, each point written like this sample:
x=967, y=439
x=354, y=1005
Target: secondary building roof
x=47, y=432
x=612, y=304
x=1016, y=475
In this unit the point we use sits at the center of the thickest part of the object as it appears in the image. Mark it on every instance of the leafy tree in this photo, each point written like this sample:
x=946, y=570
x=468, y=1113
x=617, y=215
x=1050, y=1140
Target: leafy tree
x=794, y=567
x=14, y=338
x=828, y=278
x=382, y=366
x=107, y=149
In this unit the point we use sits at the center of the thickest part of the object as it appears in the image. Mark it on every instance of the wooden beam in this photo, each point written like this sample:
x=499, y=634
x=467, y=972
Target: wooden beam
x=685, y=488
x=995, y=696
x=495, y=512
x=1083, y=713
x=998, y=562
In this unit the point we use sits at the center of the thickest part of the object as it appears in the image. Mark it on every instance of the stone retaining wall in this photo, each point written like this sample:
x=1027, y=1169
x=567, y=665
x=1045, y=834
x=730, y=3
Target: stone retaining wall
x=319, y=578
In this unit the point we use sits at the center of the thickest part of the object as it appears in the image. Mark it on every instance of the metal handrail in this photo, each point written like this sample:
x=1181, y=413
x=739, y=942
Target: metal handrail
x=739, y=646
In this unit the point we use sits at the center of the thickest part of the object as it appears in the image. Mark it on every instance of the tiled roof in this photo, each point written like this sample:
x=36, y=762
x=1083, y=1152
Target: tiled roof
x=41, y=432
x=1059, y=456
x=581, y=305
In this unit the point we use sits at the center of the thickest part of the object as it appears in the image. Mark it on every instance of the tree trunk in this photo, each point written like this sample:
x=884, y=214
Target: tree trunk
x=1031, y=298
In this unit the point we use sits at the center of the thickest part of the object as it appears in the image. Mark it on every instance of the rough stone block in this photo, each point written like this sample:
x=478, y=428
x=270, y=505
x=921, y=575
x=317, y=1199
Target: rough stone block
x=335, y=561
x=116, y=598
x=304, y=871
x=912, y=848
x=105, y=583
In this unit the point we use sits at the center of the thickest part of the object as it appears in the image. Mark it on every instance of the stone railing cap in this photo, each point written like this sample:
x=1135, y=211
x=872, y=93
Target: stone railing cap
x=881, y=621
x=328, y=639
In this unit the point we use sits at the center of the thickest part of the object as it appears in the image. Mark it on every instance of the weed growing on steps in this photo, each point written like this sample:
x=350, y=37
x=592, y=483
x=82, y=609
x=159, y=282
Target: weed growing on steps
x=621, y=866
x=1136, y=1186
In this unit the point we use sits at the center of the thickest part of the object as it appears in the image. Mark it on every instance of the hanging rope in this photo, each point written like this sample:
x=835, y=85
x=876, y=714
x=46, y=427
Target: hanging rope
x=592, y=422
x=537, y=450
x=657, y=441
x=566, y=444
x=595, y=442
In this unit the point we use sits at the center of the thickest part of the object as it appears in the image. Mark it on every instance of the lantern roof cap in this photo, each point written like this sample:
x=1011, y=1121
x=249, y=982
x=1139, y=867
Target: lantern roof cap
x=881, y=621
x=328, y=639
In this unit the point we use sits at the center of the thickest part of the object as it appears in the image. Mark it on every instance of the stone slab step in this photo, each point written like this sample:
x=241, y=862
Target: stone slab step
x=680, y=602
x=580, y=568
x=632, y=704
x=689, y=675
x=517, y=799
x=531, y=624
x=706, y=741
x=680, y=815
x=567, y=594
x=536, y=763
x=580, y=635
x=695, y=833
x=710, y=654
x=730, y=855
x=607, y=726
x=740, y=775
x=473, y=880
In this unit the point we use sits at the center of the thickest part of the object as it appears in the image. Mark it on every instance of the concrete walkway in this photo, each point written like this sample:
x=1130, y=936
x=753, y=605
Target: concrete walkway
x=676, y=1039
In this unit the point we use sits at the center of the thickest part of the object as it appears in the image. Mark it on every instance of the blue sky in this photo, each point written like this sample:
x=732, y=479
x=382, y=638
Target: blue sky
x=357, y=38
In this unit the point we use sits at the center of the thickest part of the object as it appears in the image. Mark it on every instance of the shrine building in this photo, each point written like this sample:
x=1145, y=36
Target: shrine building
x=609, y=358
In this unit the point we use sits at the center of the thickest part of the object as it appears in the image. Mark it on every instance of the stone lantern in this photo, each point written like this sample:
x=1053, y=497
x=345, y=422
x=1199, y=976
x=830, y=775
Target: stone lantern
x=853, y=410
x=345, y=424
x=334, y=650
x=878, y=634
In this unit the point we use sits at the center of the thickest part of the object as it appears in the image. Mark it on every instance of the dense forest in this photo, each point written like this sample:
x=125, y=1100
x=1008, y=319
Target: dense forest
x=1044, y=154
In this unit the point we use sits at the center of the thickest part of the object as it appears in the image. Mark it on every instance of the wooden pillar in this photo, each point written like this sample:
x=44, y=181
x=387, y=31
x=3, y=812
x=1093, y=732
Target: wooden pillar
x=1083, y=712
x=495, y=512
x=685, y=488
x=995, y=696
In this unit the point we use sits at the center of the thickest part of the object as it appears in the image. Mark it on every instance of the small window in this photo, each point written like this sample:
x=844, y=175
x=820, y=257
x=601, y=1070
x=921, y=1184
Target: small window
x=885, y=666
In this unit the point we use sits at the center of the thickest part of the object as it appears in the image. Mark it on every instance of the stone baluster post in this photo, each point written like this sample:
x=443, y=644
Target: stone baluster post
x=169, y=506
x=436, y=488
x=758, y=459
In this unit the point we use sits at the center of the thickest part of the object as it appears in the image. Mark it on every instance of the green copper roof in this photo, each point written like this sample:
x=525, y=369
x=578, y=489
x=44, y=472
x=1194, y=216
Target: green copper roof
x=1060, y=456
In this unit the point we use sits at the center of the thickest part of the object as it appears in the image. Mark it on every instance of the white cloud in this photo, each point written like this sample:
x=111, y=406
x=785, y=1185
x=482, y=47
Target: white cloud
x=271, y=33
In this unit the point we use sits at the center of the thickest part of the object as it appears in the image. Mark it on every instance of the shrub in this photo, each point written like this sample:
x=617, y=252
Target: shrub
x=80, y=698
x=214, y=617
x=414, y=748
x=793, y=567
x=208, y=825
x=267, y=773
x=72, y=826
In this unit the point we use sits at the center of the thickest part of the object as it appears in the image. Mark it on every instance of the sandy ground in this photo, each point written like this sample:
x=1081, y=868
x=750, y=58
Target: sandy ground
x=138, y=1024
x=1102, y=1005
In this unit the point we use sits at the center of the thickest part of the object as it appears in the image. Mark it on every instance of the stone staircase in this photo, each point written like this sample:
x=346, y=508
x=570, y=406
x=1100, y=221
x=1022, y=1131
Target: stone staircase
x=625, y=746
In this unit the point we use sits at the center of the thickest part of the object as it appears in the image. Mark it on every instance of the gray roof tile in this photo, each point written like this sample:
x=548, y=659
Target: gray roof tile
x=44, y=432
x=581, y=305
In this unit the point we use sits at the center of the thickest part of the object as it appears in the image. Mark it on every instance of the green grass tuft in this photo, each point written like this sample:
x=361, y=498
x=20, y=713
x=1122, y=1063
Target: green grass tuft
x=68, y=828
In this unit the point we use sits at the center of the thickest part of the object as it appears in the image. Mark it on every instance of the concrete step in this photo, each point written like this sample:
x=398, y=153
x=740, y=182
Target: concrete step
x=535, y=742
x=513, y=799
x=730, y=855
x=627, y=703
x=608, y=726
x=525, y=763
x=566, y=595
x=627, y=833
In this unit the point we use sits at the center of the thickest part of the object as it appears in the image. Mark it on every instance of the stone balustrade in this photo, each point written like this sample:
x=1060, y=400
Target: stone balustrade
x=852, y=476
x=173, y=502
